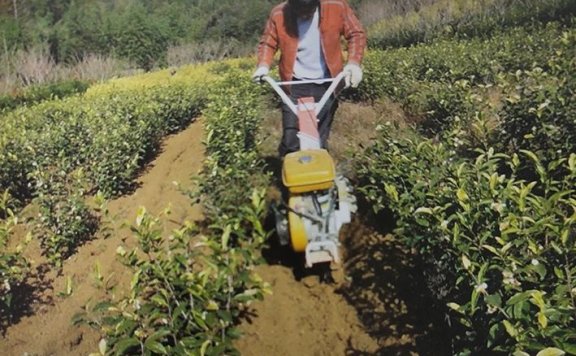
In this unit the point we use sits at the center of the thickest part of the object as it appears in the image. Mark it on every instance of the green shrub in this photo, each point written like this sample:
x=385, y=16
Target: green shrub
x=65, y=220
x=14, y=267
x=504, y=247
x=232, y=122
x=538, y=113
x=37, y=93
x=104, y=137
x=187, y=293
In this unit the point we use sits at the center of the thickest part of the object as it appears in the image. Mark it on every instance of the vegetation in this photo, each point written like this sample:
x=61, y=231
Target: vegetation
x=139, y=31
x=464, y=19
x=483, y=188
x=37, y=93
x=13, y=266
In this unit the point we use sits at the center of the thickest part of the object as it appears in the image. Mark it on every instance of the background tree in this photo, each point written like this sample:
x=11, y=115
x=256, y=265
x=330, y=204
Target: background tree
x=141, y=38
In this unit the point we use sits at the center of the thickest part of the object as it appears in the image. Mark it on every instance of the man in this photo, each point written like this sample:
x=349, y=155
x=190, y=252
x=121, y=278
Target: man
x=308, y=34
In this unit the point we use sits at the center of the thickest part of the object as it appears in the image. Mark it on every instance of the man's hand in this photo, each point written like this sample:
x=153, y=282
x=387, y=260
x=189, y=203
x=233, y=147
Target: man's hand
x=352, y=75
x=259, y=73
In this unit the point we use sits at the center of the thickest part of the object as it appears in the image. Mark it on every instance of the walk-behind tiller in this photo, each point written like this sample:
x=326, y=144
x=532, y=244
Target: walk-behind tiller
x=319, y=200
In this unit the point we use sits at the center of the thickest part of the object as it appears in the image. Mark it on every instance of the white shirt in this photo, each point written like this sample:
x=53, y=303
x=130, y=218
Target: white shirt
x=310, y=62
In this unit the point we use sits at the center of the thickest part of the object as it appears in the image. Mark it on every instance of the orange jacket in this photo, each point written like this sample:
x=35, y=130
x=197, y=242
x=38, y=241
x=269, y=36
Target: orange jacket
x=336, y=19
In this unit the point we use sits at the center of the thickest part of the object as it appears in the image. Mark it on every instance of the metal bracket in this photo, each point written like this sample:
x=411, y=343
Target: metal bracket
x=321, y=251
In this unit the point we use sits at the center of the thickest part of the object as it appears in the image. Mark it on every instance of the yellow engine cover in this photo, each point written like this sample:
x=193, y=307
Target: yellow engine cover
x=308, y=170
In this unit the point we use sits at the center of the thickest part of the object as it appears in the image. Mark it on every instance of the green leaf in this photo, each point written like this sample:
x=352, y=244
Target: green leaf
x=422, y=222
x=510, y=329
x=519, y=297
x=462, y=195
x=570, y=348
x=494, y=300
x=190, y=342
x=140, y=215
x=126, y=326
x=531, y=155
x=551, y=351
x=423, y=210
x=494, y=332
x=455, y=307
x=559, y=273
x=159, y=335
x=572, y=162
x=124, y=345
x=466, y=262
x=391, y=192
x=491, y=249
x=204, y=347
x=102, y=306
x=226, y=236
x=538, y=299
x=135, y=279
x=159, y=300
x=212, y=305
x=540, y=269
x=542, y=320
x=155, y=346
x=473, y=301
x=493, y=181
x=456, y=233
x=482, y=272
x=564, y=236
x=519, y=309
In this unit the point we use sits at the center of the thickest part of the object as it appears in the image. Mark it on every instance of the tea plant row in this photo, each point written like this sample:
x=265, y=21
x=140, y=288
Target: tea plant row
x=527, y=71
x=488, y=199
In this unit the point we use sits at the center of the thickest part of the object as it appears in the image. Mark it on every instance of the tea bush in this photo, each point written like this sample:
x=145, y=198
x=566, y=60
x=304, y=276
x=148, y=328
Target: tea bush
x=504, y=247
x=441, y=81
x=13, y=266
x=187, y=294
x=37, y=93
x=232, y=122
x=489, y=201
x=65, y=220
x=539, y=112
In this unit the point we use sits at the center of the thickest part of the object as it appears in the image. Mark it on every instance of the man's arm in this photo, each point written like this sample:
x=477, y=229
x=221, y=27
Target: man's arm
x=355, y=35
x=268, y=44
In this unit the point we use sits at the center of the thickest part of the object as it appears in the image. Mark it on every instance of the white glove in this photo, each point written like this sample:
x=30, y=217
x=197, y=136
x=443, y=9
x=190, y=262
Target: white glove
x=352, y=75
x=259, y=73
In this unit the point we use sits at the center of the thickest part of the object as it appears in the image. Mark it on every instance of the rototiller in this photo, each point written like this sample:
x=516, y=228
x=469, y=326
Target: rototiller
x=319, y=199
